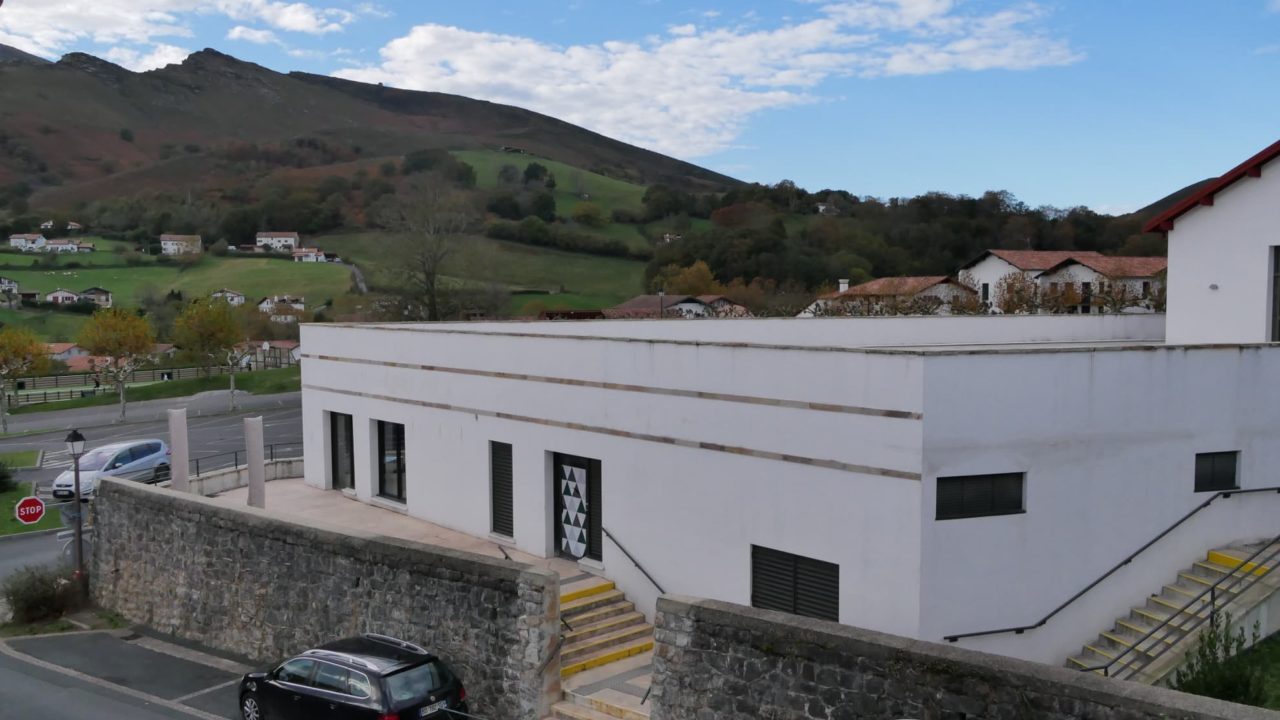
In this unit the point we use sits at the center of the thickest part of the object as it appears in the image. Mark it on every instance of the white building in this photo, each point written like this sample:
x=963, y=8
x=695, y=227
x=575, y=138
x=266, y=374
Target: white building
x=911, y=295
x=655, y=306
x=181, y=244
x=282, y=308
x=62, y=297
x=308, y=255
x=230, y=296
x=27, y=242
x=98, y=296
x=1106, y=284
x=8, y=286
x=278, y=241
x=66, y=245
x=925, y=476
x=988, y=269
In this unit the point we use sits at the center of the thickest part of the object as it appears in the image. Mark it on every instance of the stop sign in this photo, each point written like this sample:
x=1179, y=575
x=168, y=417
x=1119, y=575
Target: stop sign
x=29, y=510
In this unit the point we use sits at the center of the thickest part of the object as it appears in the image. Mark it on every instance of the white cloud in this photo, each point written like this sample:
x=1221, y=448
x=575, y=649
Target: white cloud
x=294, y=17
x=691, y=92
x=138, y=61
x=373, y=10
x=1273, y=5
x=260, y=37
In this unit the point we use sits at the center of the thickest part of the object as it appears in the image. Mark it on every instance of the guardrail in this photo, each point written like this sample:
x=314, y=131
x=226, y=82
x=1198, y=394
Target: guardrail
x=235, y=458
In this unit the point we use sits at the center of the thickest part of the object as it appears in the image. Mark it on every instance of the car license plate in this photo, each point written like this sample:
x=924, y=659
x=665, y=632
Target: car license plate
x=433, y=709
x=63, y=493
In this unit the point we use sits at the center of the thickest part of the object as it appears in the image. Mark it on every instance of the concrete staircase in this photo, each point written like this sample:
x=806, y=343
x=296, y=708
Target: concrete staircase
x=606, y=655
x=1171, y=604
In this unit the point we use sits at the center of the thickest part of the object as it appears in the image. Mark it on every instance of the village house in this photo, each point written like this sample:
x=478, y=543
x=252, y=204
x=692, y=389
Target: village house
x=8, y=286
x=308, y=255
x=278, y=241
x=63, y=352
x=282, y=308
x=161, y=352
x=653, y=306
x=62, y=297
x=923, y=295
x=723, y=307
x=1105, y=284
x=70, y=226
x=27, y=242
x=67, y=245
x=986, y=271
x=230, y=296
x=181, y=244
x=98, y=296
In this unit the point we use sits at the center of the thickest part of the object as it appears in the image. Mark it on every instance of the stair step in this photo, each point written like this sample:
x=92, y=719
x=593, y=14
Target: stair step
x=626, y=709
x=589, y=646
x=565, y=710
x=582, y=631
x=574, y=607
x=1233, y=558
x=602, y=612
x=1210, y=569
x=1190, y=579
x=1128, y=662
x=606, y=656
x=1180, y=607
x=1157, y=617
x=584, y=588
x=1137, y=629
x=1148, y=647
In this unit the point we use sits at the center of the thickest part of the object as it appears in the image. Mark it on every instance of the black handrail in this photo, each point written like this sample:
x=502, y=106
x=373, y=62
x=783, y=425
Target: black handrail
x=1212, y=592
x=632, y=559
x=269, y=453
x=1023, y=628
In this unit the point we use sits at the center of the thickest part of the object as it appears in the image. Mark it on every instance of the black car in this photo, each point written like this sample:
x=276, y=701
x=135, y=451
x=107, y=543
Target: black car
x=371, y=677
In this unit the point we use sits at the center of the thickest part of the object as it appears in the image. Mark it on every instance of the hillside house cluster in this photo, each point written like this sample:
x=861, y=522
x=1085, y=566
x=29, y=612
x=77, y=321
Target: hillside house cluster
x=282, y=308
x=677, y=306
x=231, y=297
x=28, y=242
x=101, y=297
x=932, y=477
x=71, y=226
x=181, y=244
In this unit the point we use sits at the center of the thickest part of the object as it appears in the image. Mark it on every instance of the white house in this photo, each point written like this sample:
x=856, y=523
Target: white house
x=8, y=286
x=62, y=297
x=98, y=296
x=65, y=245
x=653, y=306
x=181, y=244
x=278, y=241
x=1106, y=284
x=308, y=255
x=931, y=477
x=65, y=351
x=911, y=295
x=230, y=296
x=282, y=308
x=27, y=242
x=987, y=270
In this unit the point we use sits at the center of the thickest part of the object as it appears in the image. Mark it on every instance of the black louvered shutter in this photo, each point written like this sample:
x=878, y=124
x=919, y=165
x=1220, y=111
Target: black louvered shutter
x=502, y=505
x=795, y=584
x=595, y=512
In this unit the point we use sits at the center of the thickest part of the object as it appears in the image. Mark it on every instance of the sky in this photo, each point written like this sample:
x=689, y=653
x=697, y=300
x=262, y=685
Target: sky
x=1107, y=103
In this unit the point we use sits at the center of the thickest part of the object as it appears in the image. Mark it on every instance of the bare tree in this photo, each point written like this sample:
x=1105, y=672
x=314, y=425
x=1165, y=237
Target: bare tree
x=1116, y=296
x=1016, y=293
x=970, y=302
x=433, y=217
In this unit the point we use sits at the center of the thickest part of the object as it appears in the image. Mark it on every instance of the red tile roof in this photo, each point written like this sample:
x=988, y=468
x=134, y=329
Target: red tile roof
x=293, y=235
x=1038, y=259
x=891, y=286
x=55, y=348
x=1249, y=168
x=1119, y=266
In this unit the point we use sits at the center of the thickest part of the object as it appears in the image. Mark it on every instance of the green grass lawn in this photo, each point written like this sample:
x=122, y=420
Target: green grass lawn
x=570, y=181
x=50, y=325
x=264, y=382
x=20, y=458
x=599, y=281
x=9, y=524
x=255, y=277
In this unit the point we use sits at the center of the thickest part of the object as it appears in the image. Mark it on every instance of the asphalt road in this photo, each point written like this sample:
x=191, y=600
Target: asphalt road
x=17, y=552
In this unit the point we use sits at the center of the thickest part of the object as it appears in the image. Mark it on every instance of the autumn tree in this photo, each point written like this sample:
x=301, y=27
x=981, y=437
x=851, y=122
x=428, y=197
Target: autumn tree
x=21, y=353
x=589, y=214
x=967, y=303
x=120, y=341
x=432, y=217
x=693, y=280
x=210, y=333
x=1060, y=298
x=1117, y=296
x=1017, y=294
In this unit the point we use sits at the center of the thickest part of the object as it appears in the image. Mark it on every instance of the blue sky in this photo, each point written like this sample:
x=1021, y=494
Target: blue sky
x=1106, y=103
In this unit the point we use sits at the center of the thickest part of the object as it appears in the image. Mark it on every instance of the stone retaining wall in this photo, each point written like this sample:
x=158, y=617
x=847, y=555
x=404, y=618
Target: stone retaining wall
x=252, y=583
x=718, y=660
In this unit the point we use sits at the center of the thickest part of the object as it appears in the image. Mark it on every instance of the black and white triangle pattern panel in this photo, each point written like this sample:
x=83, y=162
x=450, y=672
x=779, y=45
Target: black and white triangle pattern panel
x=573, y=487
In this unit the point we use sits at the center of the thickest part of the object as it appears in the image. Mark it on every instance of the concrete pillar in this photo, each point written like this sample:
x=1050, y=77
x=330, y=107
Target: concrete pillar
x=178, y=460
x=257, y=462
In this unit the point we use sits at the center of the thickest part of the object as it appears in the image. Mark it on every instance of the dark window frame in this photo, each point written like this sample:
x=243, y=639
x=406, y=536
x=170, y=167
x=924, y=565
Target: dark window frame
x=1275, y=294
x=344, y=424
x=501, y=489
x=987, y=495
x=796, y=584
x=397, y=433
x=1213, y=468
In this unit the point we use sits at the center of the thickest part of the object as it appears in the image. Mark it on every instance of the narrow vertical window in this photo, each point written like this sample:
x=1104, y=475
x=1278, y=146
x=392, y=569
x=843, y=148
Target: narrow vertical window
x=1275, y=294
x=501, y=502
x=341, y=446
x=391, y=461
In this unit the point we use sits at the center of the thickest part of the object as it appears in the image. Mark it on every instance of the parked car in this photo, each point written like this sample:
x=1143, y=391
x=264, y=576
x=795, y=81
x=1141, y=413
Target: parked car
x=371, y=677
x=140, y=460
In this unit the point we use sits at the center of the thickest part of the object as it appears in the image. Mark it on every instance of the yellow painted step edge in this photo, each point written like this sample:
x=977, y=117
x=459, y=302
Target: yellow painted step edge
x=619, y=654
x=1253, y=568
x=608, y=625
x=581, y=602
x=605, y=586
x=604, y=640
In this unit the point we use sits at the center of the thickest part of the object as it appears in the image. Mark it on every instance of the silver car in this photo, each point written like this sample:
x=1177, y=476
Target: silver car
x=141, y=460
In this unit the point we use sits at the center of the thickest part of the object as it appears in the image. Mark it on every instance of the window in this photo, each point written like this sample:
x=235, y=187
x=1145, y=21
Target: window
x=1055, y=288
x=1146, y=288
x=391, y=460
x=332, y=678
x=986, y=292
x=341, y=446
x=501, y=504
x=297, y=672
x=1216, y=471
x=1275, y=294
x=794, y=584
x=1086, y=296
x=971, y=496
x=358, y=684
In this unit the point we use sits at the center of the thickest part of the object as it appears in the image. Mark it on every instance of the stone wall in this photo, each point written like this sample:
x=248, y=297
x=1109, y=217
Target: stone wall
x=717, y=660
x=252, y=583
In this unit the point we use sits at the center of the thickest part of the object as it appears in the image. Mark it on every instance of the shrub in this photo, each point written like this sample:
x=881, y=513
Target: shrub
x=38, y=593
x=1216, y=669
x=7, y=482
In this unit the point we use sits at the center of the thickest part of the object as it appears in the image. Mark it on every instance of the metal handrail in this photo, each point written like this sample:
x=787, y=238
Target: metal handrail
x=1023, y=628
x=1212, y=592
x=632, y=559
x=269, y=453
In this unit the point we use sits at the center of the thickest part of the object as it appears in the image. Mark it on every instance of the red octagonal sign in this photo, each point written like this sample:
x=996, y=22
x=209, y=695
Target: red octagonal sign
x=29, y=510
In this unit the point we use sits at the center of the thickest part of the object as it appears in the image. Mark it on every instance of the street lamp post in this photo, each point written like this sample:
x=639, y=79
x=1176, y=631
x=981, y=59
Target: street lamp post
x=662, y=302
x=75, y=447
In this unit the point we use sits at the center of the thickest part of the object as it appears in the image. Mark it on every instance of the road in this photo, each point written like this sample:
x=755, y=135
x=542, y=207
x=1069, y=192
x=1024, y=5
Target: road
x=17, y=552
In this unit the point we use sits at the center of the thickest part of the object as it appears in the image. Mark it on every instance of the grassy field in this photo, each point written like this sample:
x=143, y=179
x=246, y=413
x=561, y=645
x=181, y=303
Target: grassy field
x=587, y=280
x=255, y=277
x=49, y=325
x=9, y=524
x=20, y=458
x=570, y=181
x=263, y=382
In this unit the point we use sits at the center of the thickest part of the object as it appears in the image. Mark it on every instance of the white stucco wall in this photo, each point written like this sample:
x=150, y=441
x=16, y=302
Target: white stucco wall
x=1107, y=440
x=990, y=270
x=1227, y=245
x=689, y=514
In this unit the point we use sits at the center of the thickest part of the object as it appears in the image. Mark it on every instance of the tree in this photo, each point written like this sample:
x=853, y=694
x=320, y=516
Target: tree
x=543, y=206
x=1017, y=293
x=694, y=280
x=21, y=353
x=508, y=174
x=433, y=217
x=1116, y=296
x=121, y=341
x=968, y=303
x=534, y=172
x=209, y=333
x=589, y=214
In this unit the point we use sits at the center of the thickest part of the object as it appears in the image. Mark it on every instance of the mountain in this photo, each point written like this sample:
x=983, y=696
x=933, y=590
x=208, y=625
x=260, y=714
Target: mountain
x=14, y=55
x=82, y=128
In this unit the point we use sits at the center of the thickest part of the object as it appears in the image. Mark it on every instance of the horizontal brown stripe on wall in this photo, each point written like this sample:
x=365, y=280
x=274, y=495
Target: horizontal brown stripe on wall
x=673, y=392
x=646, y=437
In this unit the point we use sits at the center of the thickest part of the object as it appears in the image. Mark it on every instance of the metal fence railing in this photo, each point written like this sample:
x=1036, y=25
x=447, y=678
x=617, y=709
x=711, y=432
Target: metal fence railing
x=236, y=458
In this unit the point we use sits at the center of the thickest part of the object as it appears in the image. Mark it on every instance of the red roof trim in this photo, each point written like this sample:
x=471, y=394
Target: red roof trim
x=1249, y=168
